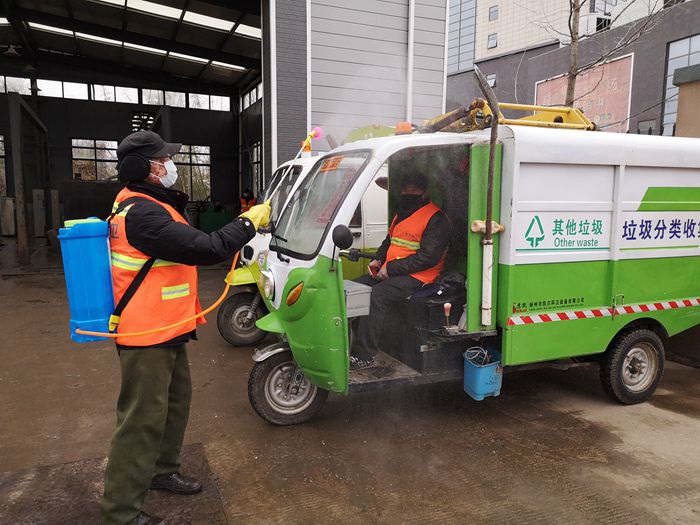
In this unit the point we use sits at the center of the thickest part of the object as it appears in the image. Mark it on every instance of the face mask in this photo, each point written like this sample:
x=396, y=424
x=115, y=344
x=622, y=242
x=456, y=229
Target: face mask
x=409, y=204
x=170, y=175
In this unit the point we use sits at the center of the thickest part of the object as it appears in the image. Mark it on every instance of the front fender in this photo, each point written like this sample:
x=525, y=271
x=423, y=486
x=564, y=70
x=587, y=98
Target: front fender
x=241, y=276
x=261, y=354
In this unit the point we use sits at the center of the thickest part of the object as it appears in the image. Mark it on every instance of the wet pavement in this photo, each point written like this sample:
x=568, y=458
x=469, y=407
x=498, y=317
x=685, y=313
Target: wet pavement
x=551, y=449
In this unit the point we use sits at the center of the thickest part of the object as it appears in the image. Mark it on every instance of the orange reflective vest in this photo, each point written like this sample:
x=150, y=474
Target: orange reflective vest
x=167, y=295
x=246, y=205
x=406, y=237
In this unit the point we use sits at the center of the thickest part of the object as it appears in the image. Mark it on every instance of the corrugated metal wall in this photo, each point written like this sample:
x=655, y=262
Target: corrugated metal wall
x=359, y=57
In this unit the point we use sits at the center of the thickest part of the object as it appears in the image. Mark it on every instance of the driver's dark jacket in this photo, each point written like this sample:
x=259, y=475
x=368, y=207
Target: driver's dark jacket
x=433, y=244
x=151, y=230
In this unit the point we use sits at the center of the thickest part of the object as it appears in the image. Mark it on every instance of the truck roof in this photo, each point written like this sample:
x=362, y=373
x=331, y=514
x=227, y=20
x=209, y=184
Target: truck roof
x=535, y=144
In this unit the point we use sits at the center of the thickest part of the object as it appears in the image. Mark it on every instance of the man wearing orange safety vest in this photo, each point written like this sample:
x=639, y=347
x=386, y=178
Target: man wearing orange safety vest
x=154, y=252
x=412, y=255
x=247, y=200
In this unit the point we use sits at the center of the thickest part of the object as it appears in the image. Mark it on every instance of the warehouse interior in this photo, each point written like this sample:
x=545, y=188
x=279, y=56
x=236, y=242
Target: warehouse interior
x=77, y=76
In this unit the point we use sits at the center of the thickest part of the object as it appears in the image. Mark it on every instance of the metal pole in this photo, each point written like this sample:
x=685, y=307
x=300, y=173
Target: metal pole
x=487, y=241
x=15, y=112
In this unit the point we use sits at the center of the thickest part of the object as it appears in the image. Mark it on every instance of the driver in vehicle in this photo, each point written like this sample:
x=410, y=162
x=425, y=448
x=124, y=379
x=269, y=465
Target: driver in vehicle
x=412, y=255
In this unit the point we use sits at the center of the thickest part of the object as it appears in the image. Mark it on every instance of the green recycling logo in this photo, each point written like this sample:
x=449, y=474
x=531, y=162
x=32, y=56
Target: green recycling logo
x=534, y=234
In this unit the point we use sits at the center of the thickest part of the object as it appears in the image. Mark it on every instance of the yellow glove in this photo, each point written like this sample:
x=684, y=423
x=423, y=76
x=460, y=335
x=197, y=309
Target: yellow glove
x=259, y=215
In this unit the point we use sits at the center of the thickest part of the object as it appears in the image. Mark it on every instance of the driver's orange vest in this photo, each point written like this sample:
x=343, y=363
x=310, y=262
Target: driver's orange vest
x=406, y=237
x=167, y=295
x=247, y=204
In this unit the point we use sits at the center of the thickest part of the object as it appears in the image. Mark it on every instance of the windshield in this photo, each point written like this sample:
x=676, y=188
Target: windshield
x=283, y=190
x=304, y=221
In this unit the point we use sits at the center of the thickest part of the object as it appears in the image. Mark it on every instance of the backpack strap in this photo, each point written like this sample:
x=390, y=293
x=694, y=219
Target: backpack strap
x=134, y=285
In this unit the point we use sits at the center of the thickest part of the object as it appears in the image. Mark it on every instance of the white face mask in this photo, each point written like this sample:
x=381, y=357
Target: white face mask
x=170, y=175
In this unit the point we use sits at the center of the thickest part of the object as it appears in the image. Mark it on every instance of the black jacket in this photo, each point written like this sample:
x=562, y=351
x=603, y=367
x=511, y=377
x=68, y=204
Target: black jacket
x=435, y=240
x=151, y=230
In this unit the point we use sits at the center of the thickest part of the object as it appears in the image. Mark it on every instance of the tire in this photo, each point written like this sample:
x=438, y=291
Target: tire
x=633, y=366
x=230, y=320
x=269, y=383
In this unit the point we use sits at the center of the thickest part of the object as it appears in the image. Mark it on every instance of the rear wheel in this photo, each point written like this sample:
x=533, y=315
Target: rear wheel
x=234, y=323
x=633, y=366
x=280, y=393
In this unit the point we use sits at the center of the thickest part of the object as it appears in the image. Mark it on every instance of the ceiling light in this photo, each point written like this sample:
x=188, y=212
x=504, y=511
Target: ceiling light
x=189, y=57
x=208, y=21
x=253, y=32
x=100, y=39
x=154, y=9
x=4, y=22
x=227, y=66
x=50, y=29
x=145, y=48
x=120, y=3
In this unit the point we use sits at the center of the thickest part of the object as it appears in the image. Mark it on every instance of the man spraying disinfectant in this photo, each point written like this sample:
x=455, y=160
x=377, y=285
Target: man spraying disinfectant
x=154, y=253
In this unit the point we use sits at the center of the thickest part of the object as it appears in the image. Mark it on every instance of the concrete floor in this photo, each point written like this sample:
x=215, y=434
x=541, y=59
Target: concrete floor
x=551, y=449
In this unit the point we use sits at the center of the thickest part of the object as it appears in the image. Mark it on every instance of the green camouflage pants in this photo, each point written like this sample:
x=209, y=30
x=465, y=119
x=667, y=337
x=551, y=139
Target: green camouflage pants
x=152, y=413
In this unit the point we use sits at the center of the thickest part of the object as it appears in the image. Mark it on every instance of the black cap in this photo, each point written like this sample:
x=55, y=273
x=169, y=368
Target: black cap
x=147, y=144
x=135, y=150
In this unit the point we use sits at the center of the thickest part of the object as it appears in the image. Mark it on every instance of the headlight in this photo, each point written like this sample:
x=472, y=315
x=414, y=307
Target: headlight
x=262, y=259
x=267, y=284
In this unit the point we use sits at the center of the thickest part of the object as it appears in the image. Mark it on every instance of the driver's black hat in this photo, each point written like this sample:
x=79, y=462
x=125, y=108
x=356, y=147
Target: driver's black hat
x=135, y=150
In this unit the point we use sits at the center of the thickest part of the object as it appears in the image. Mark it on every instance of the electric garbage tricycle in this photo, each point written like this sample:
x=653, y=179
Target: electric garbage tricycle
x=589, y=249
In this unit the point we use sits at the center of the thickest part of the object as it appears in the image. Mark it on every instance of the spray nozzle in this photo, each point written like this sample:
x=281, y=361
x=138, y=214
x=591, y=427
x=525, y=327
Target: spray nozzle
x=447, y=307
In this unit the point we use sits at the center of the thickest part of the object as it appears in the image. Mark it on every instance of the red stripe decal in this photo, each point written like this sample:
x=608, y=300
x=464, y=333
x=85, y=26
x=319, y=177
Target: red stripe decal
x=629, y=309
x=597, y=313
x=510, y=321
x=527, y=319
x=545, y=318
x=687, y=302
x=580, y=315
x=562, y=316
x=644, y=307
x=659, y=306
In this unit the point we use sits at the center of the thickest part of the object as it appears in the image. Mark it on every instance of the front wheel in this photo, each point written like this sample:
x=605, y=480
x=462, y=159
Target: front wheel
x=235, y=324
x=280, y=393
x=633, y=366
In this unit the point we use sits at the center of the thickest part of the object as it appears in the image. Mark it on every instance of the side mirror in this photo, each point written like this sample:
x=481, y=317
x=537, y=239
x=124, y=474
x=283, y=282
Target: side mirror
x=342, y=237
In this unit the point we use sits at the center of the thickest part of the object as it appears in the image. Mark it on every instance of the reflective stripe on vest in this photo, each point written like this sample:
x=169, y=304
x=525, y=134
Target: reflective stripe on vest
x=406, y=237
x=168, y=293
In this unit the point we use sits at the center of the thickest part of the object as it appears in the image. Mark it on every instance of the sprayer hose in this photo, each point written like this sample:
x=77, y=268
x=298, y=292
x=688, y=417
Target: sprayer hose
x=163, y=328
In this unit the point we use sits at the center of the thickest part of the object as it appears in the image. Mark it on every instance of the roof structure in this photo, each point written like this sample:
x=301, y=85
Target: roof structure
x=200, y=43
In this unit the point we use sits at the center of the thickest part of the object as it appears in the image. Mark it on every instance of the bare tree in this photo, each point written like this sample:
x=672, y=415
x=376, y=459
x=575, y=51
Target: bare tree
x=634, y=31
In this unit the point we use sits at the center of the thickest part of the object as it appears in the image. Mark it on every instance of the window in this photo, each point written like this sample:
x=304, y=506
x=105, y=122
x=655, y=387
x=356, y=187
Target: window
x=492, y=41
x=602, y=23
x=103, y=93
x=199, y=101
x=256, y=168
x=220, y=103
x=194, y=172
x=175, y=99
x=2, y=84
x=461, y=35
x=491, y=79
x=251, y=96
x=18, y=85
x=75, y=90
x=681, y=53
x=493, y=13
x=50, y=88
x=3, y=180
x=94, y=159
x=152, y=96
x=125, y=94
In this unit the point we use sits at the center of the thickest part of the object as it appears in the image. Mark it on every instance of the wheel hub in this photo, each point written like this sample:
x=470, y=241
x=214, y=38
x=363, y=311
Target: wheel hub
x=240, y=321
x=639, y=367
x=288, y=390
